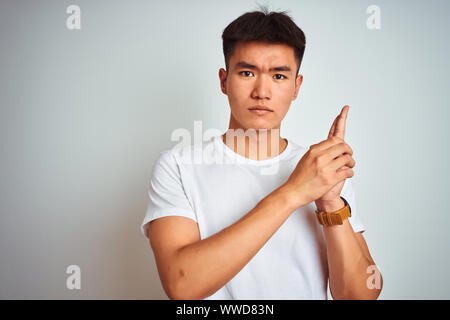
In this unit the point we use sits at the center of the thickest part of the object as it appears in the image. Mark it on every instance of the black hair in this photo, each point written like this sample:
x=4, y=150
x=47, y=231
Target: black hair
x=270, y=27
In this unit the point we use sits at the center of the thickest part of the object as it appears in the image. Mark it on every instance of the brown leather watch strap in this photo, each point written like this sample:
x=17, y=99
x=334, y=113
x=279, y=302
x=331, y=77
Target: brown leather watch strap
x=336, y=217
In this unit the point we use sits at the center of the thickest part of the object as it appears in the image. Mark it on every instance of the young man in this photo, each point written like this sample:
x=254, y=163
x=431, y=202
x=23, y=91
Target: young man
x=226, y=230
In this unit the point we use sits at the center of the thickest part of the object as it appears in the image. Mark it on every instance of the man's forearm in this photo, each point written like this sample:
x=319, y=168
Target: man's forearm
x=205, y=266
x=347, y=262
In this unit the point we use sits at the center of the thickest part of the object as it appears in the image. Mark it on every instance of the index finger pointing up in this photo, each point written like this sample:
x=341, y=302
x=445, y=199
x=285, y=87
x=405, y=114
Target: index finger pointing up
x=340, y=124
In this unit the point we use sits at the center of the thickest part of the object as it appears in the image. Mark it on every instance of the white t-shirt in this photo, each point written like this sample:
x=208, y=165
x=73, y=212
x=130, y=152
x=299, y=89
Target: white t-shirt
x=214, y=186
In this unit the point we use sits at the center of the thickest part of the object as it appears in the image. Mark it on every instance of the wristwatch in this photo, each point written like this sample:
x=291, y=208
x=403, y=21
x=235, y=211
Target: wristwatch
x=336, y=217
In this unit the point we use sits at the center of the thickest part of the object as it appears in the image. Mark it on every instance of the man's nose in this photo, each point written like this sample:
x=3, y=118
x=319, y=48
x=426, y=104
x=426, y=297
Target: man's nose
x=262, y=88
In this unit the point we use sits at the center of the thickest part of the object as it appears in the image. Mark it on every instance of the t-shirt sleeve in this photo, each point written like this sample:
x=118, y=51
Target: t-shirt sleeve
x=348, y=193
x=166, y=192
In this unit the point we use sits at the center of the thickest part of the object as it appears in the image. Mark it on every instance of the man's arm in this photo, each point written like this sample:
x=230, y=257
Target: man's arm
x=348, y=260
x=191, y=268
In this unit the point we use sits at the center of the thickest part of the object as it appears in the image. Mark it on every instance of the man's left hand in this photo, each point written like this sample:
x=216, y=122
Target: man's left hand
x=333, y=195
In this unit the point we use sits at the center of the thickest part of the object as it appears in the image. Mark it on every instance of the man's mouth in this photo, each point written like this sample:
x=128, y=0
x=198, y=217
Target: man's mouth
x=260, y=108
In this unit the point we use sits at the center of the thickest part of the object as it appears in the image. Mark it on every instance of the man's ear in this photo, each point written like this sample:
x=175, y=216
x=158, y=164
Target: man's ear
x=223, y=80
x=298, y=83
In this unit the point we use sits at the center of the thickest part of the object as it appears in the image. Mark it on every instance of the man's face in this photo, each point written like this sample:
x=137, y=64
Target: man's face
x=260, y=74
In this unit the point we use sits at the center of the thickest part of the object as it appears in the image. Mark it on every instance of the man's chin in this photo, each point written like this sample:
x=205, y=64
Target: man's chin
x=258, y=128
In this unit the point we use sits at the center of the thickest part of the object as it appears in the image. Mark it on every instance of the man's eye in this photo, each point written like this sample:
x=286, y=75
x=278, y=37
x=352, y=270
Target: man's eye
x=281, y=76
x=242, y=72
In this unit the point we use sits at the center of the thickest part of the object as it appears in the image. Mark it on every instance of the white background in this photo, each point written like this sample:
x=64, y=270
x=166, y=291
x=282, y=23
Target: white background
x=85, y=113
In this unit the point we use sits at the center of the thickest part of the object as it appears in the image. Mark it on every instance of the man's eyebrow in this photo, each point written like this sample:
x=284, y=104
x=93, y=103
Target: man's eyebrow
x=246, y=65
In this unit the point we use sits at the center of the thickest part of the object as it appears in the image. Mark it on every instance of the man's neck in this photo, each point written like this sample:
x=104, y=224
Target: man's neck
x=255, y=145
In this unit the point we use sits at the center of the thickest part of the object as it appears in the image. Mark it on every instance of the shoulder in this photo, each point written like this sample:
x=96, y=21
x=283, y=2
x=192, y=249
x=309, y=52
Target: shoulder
x=295, y=145
x=189, y=153
x=296, y=150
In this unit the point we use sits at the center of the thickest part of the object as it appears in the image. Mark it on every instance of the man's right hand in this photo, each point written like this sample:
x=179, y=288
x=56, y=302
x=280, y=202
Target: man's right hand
x=316, y=172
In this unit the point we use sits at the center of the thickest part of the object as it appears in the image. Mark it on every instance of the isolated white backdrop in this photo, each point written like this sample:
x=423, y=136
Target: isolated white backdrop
x=85, y=113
